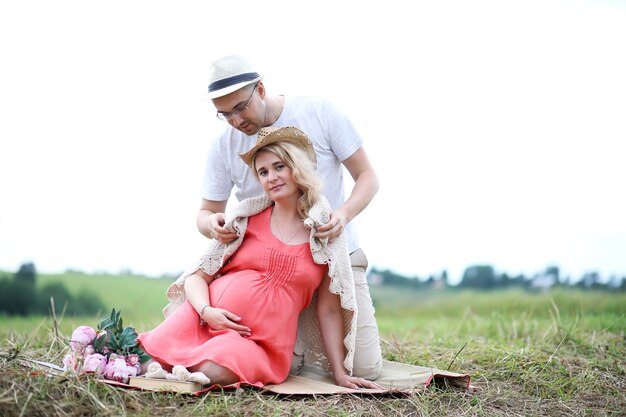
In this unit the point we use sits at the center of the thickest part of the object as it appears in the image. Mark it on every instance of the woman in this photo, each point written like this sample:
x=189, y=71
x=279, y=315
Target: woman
x=234, y=316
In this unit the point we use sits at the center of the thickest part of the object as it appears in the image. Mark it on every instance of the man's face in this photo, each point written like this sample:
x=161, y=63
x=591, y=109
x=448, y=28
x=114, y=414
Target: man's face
x=242, y=109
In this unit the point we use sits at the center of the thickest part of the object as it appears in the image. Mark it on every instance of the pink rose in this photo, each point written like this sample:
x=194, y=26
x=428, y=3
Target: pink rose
x=117, y=370
x=109, y=370
x=133, y=359
x=95, y=363
x=70, y=362
x=133, y=370
x=81, y=338
x=102, y=333
x=89, y=350
x=114, y=356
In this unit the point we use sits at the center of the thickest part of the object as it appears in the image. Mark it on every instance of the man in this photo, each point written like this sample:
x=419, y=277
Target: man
x=240, y=98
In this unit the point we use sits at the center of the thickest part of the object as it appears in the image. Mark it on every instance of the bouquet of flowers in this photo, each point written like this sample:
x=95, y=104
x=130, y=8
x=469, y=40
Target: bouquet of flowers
x=111, y=352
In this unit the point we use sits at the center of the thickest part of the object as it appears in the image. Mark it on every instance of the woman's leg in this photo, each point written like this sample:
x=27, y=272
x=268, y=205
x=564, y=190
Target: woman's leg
x=143, y=368
x=218, y=374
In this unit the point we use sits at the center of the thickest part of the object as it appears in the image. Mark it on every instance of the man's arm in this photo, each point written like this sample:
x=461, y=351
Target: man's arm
x=210, y=221
x=364, y=190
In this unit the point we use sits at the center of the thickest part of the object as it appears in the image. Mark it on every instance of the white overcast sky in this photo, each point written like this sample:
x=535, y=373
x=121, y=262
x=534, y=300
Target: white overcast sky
x=497, y=127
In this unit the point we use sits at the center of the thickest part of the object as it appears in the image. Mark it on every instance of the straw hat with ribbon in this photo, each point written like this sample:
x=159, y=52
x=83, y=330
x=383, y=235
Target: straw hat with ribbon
x=271, y=134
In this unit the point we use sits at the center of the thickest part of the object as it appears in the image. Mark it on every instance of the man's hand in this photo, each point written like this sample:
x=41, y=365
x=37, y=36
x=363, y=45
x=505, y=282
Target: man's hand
x=220, y=319
x=333, y=228
x=217, y=229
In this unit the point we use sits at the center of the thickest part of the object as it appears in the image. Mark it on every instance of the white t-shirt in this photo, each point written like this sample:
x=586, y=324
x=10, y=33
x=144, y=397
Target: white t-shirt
x=334, y=139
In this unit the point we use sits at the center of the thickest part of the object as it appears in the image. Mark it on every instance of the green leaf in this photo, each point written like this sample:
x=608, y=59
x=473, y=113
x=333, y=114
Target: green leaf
x=105, y=324
x=117, y=338
x=127, y=342
x=109, y=322
x=143, y=356
x=128, y=338
x=113, y=343
x=130, y=332
x=99, y=343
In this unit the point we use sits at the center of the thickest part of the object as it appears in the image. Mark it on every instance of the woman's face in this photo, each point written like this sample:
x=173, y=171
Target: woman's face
x=275, y=177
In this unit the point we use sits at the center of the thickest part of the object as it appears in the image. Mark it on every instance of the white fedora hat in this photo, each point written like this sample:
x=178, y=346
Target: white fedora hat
x=230, y=73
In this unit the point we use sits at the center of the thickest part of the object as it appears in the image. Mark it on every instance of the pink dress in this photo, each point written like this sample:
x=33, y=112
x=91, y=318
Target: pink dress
x=267, y=284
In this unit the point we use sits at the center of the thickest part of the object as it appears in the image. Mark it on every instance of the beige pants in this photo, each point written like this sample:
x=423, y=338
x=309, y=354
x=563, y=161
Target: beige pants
x=367, y=355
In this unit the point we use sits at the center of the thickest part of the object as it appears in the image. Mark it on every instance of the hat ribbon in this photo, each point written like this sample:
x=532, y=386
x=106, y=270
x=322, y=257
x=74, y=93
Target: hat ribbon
x=235, y=79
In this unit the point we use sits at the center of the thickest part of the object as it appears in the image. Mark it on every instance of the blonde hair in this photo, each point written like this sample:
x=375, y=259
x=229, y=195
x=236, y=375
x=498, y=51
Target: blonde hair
x=303, y=170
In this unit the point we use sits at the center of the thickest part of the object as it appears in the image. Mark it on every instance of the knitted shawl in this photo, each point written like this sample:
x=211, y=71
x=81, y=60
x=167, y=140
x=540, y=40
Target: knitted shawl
x=309, y=340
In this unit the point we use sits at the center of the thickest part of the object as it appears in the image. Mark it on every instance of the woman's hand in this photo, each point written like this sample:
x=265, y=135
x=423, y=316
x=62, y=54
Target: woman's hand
x=356, y=383
x=220, y=319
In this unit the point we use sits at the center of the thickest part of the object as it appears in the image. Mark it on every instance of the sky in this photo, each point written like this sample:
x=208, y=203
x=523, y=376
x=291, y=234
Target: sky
x=497, y=128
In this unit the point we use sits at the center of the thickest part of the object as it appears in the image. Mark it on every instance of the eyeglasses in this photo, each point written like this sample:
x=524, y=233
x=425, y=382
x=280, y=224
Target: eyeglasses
x=228, y=115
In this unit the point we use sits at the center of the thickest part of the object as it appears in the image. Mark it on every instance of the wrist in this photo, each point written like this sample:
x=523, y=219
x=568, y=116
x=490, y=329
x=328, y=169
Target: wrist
x=209, y=233
x=339, y=377
x=202, y=310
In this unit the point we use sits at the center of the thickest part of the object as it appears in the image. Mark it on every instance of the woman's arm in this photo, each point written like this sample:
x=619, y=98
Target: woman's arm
x=197, y=293
x=330, y=316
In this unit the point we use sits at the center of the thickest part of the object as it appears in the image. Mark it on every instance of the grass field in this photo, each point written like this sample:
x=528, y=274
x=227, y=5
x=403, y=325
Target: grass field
x=560, y=353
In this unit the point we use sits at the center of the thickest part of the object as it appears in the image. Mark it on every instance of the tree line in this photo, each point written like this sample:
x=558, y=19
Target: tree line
x=485, y=277
x=19, y=295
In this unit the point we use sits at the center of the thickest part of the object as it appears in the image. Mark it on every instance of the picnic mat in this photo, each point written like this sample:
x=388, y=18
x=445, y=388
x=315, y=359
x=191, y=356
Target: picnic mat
x=394, y=376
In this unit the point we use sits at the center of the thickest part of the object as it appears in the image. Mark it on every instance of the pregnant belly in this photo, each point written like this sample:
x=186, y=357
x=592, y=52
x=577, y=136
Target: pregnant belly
x=266, y=309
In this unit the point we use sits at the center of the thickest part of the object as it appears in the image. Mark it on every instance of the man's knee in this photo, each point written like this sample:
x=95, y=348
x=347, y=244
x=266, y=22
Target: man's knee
x=367, y=368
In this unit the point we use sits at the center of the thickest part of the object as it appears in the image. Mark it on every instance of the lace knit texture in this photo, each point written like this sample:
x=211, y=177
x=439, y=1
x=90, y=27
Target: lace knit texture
x=334, y=254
